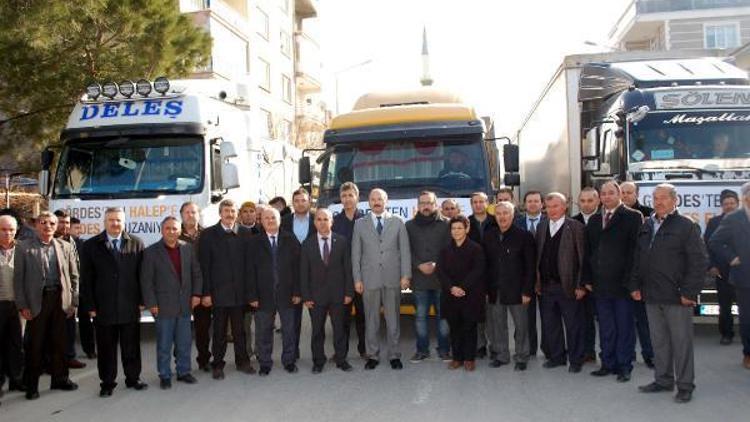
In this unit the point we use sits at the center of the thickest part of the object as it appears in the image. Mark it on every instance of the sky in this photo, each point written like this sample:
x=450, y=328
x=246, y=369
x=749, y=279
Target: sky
x=497, y=54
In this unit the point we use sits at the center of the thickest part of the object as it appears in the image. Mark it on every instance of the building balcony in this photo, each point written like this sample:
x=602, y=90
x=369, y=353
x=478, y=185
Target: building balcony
x=231, y=12
x=307, y=67
x=659, y=6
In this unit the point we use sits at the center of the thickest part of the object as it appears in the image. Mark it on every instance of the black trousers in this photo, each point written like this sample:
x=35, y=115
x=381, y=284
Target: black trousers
x=589, y=327
x=11, y=344
x=86, y=332
x=223, y=316
x=533, y=336
x=564, y=345
x=264, y=327
x=359, y=322
x=297, y=328
x=70, y=338
x=47, y=337
x=318, y=316
x=727, y=297
x=202, y=320
x=128, y=336
x=463, y=337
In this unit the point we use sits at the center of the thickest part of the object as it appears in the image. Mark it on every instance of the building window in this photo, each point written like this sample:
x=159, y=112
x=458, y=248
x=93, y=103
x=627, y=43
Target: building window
x=286, y=130
x=262, y=23
x=722, y=36
x=286, y=44
x=286, y=88
x=264, y=71
x=229, y=53
x=266, y=124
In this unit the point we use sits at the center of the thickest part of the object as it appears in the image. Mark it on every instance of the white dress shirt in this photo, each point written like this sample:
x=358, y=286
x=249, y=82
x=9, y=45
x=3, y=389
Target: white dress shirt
x=554, y=226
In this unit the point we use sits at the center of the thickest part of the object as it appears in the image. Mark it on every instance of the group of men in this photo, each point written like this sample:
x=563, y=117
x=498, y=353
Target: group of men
x=631, y=268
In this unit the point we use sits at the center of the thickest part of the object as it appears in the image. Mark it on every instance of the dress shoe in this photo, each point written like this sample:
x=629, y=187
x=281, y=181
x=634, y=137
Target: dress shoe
x=165, y=383
x=246, y=369
x=344, y=366
x=725, y=341
x=469, y=365
x=455, y=364
x=520, y=366
x=264, y=371
x=654, y=388
x=574, y=369
x=218, y=374
x=105, y=392
x=317, y=369
x=291, y=368
x=64, y=385
x=75, y=364
x=552, y=364
x=649, y=362
x=396, y=364
x=32, y=395
x=683, y=396
x=187, y=379
x=137, y=385
x=746, y=361
x=623, y=377
x=602, y=372
x=497, y=363
x=371, y=364
x=481, y=353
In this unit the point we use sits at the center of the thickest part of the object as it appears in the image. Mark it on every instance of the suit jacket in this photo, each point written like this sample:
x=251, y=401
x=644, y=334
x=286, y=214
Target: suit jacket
x=511, y=264
x=223, y=260
x=28, y=282
x=110, y=281
x=520, y=221
x=326, y=284
x=162, y=287
x=731, y=240
x=713, y=259
x=646, y=211
x=570, y=256
x=475, y=228
x=287, y=225
x=610, y=252
x=381, y=260
x=262, y=285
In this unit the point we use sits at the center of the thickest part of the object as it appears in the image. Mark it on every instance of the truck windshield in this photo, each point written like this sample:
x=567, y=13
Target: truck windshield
x=130, y=167
x=450, y=167
x=691, y=135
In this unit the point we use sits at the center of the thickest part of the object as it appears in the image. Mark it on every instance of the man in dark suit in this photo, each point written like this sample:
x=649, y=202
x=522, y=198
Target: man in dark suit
x=223, y=253
x=588, y=204
x=560, y=252
x=326, y=286
x=720, y=270
x=530, y=221
x=730, y=245
x=668, y=271
x=611, y=237
x=480, y=223
x=273, y=277
x=343, y=224
x=111, y=291
x=171, y=283
x=45, y=282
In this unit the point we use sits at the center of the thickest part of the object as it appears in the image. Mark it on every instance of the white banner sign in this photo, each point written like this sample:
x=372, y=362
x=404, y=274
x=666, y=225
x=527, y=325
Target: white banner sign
x=405, y=208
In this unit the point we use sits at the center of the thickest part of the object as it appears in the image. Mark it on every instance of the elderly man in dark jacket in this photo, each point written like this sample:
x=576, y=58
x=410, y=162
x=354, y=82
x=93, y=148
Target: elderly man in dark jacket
x=611, y=237
x=428, y=235
x=731, y=245
x=669, y=266
x=511, y=258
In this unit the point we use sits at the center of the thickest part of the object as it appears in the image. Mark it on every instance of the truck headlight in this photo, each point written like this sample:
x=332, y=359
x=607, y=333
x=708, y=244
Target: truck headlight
x=143, y=87
x=93, y=91
x=109, y=90
x=161, y=85
x=127, y=88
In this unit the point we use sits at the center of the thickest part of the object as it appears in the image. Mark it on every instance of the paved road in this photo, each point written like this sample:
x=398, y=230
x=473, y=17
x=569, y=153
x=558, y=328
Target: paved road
x=425, y=391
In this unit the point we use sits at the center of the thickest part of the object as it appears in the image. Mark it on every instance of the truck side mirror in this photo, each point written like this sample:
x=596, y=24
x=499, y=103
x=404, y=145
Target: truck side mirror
x=44, y=183
x=229, y=176
x=47, y=157
x=510, y=158
x=305, y=173
x=591, y=144
x=227, y=151
x=512, y=179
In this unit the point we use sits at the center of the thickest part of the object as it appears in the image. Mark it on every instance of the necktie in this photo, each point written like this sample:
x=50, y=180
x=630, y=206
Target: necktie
x=380, y=225
x=274, y=261
x=607, y=217
x=273, y=245
x=533, y=225
x=326, y=251
x=115, y=247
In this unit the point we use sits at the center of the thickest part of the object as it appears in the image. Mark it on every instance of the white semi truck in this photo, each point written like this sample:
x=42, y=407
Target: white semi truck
x=645, y=117
x=148, y=147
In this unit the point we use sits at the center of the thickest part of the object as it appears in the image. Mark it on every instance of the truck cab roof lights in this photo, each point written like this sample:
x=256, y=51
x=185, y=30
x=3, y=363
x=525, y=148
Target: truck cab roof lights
x=161, y=85
x=143, y=87
x=127, y=88
x=93, y=91
x=109, y=90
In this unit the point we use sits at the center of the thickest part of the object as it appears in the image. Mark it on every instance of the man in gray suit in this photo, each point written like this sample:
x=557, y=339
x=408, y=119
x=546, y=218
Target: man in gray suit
x=45, y=282
x=381, y=265
x=171, y=284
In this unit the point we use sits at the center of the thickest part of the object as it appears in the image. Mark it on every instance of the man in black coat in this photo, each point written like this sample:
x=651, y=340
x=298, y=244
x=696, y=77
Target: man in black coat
x=326, y=287
x=480, y=223
x=111, y=292
x=611, y=237
x=588, y=204
x=273, y=276
x=630, y=199
x=669, y=266
x=222, y=252
x=511, y=259
x=720, y=269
